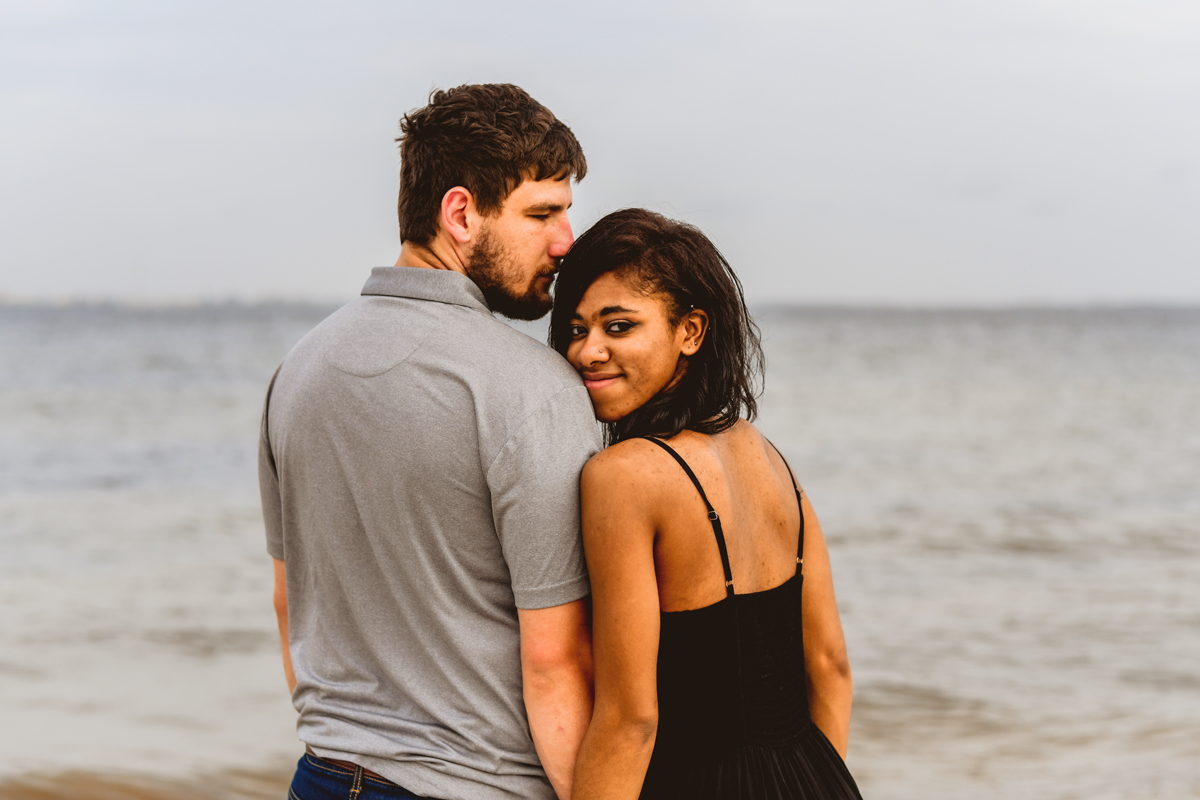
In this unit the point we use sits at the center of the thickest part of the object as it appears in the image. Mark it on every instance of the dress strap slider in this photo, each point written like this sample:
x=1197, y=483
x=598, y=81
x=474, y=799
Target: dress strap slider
x=713, y=519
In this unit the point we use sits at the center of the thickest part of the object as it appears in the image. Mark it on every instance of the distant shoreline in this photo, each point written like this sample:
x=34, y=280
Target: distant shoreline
x=767, y=307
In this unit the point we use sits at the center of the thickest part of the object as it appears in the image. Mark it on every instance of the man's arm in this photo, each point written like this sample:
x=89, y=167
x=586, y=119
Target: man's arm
x=556, y=670
x=281, y=616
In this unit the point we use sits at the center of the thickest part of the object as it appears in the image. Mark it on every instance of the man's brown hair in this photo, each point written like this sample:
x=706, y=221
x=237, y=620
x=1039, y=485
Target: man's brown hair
x=486, y=138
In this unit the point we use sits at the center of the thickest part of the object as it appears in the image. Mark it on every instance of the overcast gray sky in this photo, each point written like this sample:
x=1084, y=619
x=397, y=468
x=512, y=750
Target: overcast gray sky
x=860, y=151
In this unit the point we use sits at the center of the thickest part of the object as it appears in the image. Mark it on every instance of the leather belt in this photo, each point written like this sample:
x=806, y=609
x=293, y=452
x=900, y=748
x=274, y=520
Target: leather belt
x=337, y=762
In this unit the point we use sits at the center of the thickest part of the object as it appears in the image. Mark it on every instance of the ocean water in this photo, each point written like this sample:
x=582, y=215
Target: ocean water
x=1011, y=501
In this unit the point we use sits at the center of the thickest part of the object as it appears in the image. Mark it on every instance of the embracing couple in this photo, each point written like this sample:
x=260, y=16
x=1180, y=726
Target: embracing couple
x=477, y=601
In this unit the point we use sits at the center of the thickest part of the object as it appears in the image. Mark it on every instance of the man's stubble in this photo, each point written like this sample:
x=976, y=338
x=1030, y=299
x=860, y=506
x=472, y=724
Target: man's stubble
x=503, y=283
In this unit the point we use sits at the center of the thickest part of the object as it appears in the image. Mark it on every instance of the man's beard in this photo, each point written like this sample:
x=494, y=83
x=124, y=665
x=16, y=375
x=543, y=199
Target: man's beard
x=492, y=269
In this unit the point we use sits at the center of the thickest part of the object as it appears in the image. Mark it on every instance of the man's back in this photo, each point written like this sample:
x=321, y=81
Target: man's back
x=420, y=481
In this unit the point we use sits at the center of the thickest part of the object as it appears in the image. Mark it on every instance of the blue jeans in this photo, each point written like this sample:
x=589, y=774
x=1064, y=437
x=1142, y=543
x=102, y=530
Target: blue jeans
x=318, y=779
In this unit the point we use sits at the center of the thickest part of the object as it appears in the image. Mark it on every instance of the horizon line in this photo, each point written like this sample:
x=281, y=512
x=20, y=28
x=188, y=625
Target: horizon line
x=136, y=304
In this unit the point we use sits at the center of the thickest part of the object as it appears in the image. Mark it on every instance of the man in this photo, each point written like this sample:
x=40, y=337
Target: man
x=419, y=466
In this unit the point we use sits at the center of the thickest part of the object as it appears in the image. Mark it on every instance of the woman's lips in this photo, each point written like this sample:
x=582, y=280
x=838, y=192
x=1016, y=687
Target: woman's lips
x=598, y=381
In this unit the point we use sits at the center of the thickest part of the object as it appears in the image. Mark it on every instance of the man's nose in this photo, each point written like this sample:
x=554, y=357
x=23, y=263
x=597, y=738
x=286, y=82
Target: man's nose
x=563, y=239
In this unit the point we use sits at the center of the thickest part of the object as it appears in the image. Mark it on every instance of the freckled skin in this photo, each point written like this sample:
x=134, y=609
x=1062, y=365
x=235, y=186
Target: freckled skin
x=625, y=347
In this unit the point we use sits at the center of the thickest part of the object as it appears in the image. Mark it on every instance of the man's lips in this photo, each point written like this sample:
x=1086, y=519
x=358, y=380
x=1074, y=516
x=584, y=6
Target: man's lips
x=597, y=381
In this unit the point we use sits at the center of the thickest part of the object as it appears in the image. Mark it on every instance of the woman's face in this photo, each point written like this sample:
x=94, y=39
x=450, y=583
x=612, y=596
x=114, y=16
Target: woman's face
x=625, y=347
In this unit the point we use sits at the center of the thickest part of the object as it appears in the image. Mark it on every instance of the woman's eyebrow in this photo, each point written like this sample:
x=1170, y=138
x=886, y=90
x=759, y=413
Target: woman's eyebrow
x=604, y=312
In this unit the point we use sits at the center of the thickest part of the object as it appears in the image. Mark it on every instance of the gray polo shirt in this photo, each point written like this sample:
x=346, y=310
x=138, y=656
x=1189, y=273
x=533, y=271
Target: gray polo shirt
x=419, y=467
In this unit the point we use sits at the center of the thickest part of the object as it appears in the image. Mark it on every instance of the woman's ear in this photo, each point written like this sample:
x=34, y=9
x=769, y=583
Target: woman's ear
x=694, y=326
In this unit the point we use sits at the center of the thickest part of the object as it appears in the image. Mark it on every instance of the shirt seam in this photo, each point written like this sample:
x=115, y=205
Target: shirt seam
x=523, y=423
x=474, y=303
x=474, y=306
x=438, y=325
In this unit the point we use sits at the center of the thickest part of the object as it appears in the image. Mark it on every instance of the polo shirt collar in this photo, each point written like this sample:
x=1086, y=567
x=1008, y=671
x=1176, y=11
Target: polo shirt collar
x=423, y=283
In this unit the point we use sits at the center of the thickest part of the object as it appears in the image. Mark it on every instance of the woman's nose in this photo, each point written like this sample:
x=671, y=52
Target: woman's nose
x=594, y=351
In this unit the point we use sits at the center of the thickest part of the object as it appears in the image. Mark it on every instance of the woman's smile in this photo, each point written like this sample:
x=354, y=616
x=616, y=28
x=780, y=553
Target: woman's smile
x=595, y=382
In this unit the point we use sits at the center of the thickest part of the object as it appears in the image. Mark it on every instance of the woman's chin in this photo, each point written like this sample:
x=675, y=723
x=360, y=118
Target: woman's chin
x=607, y=418
x=606, y=413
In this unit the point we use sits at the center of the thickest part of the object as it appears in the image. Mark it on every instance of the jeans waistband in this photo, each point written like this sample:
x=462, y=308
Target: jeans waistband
x=349, y=766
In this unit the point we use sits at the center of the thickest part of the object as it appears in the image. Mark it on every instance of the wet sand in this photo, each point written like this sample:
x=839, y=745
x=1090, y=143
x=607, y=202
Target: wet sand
x=226, y=785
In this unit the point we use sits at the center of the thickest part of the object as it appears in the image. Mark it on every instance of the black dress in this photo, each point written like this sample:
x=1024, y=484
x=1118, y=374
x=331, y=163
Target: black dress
x=733, y=716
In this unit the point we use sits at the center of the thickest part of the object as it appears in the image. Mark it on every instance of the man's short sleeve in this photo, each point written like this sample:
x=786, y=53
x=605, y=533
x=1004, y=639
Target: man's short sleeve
x=534, y=483
x=268, y=484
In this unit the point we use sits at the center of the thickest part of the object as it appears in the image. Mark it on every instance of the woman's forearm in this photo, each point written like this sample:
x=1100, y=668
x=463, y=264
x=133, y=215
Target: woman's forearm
x=614, y=756
x=830, y=693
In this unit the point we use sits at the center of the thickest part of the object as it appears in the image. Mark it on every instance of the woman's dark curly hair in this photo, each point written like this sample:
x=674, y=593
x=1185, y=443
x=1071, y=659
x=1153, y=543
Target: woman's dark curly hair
x=677, y=261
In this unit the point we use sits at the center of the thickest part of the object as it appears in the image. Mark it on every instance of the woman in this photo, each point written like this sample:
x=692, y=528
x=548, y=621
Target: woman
x=694, y=531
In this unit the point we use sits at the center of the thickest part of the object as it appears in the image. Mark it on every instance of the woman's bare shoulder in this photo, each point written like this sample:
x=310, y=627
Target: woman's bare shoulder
x=620, y=489
x=630, y=459
x=753, y=439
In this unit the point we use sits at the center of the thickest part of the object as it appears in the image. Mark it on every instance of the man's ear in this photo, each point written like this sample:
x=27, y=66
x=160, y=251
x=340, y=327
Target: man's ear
x=458, y=209
x=694, y=326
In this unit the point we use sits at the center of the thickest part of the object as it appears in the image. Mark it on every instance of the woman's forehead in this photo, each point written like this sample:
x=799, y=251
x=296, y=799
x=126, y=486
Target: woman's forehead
x=617, y=292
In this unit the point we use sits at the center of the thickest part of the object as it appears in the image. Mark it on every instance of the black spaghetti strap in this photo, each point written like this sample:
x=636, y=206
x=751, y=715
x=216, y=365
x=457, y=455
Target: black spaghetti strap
x=712, y=514
x=799, y=503
x=786, y=465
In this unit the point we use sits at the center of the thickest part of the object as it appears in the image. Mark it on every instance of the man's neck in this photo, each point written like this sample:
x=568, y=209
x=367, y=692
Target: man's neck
x=434, y=255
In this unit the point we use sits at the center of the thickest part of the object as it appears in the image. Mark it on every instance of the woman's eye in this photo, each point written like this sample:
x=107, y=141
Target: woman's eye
x=620, y=326
x=577, y=331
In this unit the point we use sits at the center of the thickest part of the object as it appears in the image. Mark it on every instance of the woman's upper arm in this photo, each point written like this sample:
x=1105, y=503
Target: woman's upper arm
x=823, y=637
x=618, y=538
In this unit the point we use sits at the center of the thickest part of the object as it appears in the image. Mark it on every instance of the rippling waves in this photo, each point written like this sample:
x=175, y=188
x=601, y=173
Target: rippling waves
x=1010, y=500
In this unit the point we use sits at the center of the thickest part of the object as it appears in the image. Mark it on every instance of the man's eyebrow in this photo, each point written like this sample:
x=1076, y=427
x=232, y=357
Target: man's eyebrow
x=537, y=208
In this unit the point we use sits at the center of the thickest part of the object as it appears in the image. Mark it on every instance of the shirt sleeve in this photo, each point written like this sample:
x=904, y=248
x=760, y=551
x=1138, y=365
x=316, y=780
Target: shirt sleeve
x=268, y=483
x=534, y=482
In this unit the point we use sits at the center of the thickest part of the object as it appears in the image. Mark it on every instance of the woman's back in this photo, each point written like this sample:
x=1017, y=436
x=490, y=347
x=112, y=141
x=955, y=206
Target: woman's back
x=734, y=719
x=749, y=487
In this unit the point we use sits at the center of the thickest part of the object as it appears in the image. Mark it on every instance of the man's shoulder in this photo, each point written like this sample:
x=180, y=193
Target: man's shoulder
x=506, y=360
x=533, y=398
x=539, y=359
x=509, y=373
